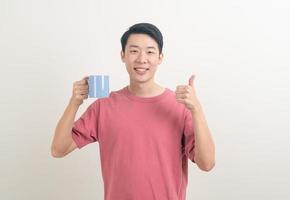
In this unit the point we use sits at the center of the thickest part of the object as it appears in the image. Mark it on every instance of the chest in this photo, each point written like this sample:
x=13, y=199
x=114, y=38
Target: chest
x=135, y=124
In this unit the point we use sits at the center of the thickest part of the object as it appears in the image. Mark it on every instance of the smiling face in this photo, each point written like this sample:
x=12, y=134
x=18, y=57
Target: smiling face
x=141, y=58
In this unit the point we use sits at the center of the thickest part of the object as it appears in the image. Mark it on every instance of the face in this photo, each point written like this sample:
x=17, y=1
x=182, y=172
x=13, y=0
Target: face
x=141, y=58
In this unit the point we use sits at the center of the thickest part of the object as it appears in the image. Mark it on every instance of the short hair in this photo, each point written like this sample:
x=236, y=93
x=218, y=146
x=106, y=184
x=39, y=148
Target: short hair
x=143, y=28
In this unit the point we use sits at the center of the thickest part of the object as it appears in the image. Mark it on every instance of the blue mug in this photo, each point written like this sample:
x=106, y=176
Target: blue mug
x=98, y=86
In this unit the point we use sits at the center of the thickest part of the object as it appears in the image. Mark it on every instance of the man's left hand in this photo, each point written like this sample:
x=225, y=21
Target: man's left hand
x=185, y=94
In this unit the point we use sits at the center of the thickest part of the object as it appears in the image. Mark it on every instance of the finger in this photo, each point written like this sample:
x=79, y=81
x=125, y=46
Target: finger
x=82, y=87
x=83, y=82
x=86, y=78
x=78, y=88
x=182, y=89
x=182, y=95
x=84, y=96
x=83, y=91
x=181, y=86
x=180, y=101
x=78, y=91
x=191, y=79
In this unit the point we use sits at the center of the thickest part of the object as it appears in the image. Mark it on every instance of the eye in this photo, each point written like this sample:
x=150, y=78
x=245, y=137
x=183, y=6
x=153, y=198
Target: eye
x=133, y=51
x=151, y=52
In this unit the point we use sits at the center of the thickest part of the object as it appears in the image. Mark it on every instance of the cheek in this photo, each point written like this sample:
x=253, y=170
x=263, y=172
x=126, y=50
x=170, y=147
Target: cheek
x=154, y=63
x=131, y=60
x=156, y=60
x=129, y=67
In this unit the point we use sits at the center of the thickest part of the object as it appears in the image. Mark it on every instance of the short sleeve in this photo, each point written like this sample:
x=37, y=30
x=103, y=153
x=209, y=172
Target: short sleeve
x=85, y=129
x=188, y=135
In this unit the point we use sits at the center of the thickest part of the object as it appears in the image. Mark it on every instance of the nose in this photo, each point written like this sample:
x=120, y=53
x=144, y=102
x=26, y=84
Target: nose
x=142, y=57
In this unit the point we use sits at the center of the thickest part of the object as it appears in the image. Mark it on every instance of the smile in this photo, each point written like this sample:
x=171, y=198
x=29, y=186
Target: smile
x=139, y=69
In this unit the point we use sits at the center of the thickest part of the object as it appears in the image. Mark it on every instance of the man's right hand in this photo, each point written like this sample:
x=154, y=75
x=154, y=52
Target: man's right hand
x=80, y=91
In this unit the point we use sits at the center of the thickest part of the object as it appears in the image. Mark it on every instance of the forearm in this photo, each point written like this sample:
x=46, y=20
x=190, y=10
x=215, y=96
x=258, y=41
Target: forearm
x=62, y=136
x=204, y=145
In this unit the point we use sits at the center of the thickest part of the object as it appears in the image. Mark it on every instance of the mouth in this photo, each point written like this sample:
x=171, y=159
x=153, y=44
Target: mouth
x=141, y=69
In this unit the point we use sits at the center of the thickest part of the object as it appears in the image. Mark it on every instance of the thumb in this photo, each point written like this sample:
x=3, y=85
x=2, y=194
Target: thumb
x=191, y=79
x=86, y=79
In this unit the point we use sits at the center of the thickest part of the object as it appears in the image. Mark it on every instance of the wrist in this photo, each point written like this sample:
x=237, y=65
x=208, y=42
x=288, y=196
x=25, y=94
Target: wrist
x=74, y=103
x=196, y=109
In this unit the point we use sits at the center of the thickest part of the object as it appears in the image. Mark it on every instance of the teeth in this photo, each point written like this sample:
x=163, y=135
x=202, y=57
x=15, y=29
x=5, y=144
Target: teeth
x=140, y=69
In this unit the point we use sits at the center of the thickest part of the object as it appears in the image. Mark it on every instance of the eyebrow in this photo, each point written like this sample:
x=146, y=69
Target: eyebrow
x=136, y=46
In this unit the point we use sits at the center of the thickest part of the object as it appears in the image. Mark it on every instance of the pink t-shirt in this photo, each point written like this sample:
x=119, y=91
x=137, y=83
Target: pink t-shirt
x=144, y=144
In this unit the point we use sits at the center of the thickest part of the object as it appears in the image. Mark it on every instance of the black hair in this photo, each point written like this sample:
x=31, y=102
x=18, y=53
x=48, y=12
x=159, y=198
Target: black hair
x=143, y=28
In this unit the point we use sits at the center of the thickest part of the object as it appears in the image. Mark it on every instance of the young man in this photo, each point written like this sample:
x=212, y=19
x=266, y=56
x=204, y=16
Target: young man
x=146, y=133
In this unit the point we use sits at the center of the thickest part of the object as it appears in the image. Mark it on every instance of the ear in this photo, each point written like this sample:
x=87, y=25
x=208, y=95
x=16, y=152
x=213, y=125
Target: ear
x=160, y=58
x=122, y=55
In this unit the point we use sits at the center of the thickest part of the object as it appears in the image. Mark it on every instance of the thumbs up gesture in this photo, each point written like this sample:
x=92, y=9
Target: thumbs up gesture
x=185, y=94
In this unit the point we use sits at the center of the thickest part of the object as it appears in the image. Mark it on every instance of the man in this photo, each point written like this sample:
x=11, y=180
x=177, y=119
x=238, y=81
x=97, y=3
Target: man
x=146, y=133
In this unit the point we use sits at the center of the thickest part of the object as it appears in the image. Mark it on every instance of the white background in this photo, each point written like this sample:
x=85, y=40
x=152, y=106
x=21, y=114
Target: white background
x=238, y=49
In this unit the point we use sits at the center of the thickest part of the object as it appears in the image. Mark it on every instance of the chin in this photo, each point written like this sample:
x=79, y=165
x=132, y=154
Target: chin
x=140, y=80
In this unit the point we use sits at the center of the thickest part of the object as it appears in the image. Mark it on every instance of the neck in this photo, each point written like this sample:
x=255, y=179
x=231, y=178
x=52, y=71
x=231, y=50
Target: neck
x=145, y=89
